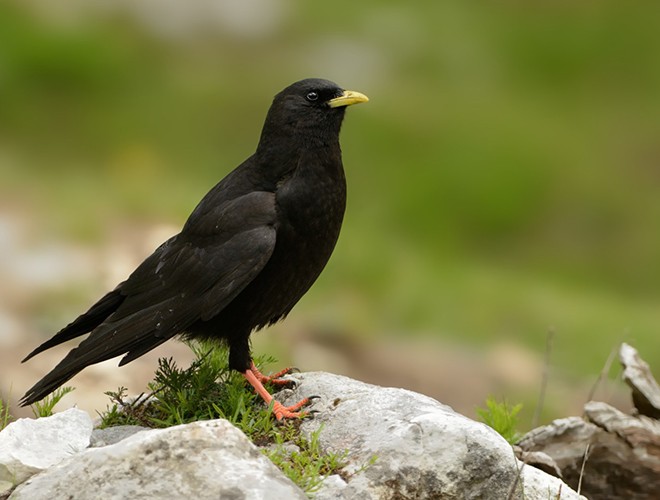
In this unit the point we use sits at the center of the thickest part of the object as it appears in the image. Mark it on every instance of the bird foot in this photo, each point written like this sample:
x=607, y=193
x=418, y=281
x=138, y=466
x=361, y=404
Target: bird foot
x=275, y=379
x=280, y=411
x=256, y=379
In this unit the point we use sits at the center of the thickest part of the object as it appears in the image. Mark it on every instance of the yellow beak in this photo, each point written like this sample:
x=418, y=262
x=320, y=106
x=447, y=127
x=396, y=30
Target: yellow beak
x=348, y=98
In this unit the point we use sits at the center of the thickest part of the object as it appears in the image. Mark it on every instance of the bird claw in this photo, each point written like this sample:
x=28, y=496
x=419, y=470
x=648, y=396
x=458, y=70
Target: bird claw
x=281, y=412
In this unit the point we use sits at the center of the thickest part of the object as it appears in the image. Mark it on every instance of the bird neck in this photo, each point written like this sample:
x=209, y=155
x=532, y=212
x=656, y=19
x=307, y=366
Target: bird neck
x=300, y=135
x=287, y=146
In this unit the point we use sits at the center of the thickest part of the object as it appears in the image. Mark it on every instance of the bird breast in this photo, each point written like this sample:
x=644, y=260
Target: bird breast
x=311, y=202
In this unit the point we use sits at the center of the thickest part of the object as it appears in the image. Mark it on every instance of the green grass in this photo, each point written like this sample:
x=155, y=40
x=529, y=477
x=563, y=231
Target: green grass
x=502, y=417
x=5, y=416
x=308, y=464
x=44, y=408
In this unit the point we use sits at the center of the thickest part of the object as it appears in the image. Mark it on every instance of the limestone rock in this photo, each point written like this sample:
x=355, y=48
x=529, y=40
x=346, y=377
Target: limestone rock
x=28, y=446
x=422, y=448
x=210, y=459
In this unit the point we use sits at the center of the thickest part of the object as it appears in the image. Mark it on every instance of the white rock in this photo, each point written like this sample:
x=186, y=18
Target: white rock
x=423, y=449
x=331, y=488
x=28, y=446
x=538, y=484
x=210, y=459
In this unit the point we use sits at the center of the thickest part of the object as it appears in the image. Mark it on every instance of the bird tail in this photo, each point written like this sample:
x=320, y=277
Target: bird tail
x=85, y=323
x=57, y=377
x=132, y=335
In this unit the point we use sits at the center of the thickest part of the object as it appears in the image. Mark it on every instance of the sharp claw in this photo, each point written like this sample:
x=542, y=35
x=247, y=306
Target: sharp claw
x=283, y=412
x=313, y=397
x=294, y=369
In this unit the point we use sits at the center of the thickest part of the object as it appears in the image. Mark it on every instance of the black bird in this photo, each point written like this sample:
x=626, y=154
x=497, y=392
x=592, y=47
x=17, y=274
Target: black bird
x=249, y=251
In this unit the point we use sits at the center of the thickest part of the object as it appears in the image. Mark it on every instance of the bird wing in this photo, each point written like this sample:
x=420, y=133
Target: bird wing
x=221, y=249
x=195, y=283
x=192, y=276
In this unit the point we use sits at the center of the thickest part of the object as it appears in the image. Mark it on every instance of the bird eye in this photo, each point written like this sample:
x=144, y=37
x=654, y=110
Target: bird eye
x=312, y=96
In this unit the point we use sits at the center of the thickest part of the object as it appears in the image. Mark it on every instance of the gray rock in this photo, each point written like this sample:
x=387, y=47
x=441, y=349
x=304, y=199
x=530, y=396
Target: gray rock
x=112, y=435
x=423, y=449
x=612, y=455
x=637, y=374
x=201, y=460
x=28, y=446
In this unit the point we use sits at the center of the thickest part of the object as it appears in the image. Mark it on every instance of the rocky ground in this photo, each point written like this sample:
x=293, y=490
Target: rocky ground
x=398, y=444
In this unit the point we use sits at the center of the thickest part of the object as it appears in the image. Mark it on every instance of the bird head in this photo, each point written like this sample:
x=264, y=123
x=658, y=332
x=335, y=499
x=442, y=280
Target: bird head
x=312, y=107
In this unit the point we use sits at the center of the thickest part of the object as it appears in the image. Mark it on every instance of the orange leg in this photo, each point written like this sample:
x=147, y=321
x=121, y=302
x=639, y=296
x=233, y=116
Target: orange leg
x=255, y=378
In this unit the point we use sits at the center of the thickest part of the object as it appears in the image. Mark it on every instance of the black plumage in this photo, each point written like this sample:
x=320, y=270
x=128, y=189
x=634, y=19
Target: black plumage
x=249, y=251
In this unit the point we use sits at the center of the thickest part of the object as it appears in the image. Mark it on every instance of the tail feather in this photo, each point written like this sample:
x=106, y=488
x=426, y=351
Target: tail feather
x=94, y=349
x=85, y=323
x=131, y=335
x=48, y=384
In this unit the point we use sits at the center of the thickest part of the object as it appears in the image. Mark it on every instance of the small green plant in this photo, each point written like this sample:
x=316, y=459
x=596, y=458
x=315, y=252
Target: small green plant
x=5, y=417
x=501, y=417
x=307, y=465
x=207, y=389
x=44, y=408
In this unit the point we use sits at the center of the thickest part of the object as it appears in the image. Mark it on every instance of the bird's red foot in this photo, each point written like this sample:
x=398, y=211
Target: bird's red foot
x=256, y=379
x=280, y=411
x=275, y=379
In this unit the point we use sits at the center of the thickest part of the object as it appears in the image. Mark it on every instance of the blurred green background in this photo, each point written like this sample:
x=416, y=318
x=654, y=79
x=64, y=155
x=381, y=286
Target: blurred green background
x=503, y=180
